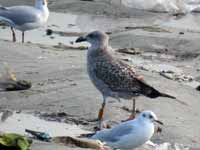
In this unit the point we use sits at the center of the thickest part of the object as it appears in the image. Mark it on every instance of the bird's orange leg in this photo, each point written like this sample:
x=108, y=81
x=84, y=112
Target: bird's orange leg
x=13, y=35
x=101, y=114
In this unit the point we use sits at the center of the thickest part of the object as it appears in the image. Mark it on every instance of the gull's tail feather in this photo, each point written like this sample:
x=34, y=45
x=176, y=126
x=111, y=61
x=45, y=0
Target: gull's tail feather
x=155, y=93
x=174, y=98
x=167, y=95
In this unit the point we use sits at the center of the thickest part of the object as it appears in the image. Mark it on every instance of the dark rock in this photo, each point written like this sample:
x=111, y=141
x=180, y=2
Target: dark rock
x=19, y=85
x=49, y=32
x=198, y=88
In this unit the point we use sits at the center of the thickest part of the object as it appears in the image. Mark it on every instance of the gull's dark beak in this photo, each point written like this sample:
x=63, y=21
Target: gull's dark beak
x=159, y=122
x=80, y=39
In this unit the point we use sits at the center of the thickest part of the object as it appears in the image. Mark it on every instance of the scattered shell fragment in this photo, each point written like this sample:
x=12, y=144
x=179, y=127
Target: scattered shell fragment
x=164, y=146
x=132, y=51
x=177, y=77
x=149, y=29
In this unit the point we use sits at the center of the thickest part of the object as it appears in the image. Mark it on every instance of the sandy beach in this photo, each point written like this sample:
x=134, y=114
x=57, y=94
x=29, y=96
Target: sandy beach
x=169, y=59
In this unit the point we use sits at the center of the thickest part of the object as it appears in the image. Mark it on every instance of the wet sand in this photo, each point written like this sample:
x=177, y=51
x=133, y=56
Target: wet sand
x=60, y=81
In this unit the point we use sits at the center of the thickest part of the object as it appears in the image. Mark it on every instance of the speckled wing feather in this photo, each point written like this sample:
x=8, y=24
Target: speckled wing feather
x=120, y=77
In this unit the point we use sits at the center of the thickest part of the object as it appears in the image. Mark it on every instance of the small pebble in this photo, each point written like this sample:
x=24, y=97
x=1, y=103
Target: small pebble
x=198, y=88
x=49, y=32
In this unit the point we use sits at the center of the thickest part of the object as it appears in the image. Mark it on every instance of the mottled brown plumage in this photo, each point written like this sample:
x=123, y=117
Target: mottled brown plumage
x=112, y=77
x=119, y=78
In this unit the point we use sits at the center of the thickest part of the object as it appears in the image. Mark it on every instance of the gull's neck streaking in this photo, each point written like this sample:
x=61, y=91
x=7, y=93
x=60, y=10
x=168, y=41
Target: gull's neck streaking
x=42, y=5
x=97, y=45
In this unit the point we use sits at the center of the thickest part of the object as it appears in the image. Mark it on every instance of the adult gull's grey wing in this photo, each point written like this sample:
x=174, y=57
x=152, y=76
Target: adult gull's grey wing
x=114, y=134
x=20, y=15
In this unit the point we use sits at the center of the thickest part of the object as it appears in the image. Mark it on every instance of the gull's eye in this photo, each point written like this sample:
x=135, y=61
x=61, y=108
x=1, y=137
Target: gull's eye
x=91, y=35
x=144, y=115
x=150, y=117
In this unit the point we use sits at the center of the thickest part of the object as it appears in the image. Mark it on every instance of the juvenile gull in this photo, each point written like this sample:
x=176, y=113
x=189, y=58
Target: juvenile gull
x=25, y=18
x=112, y=77
x=130, y=134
